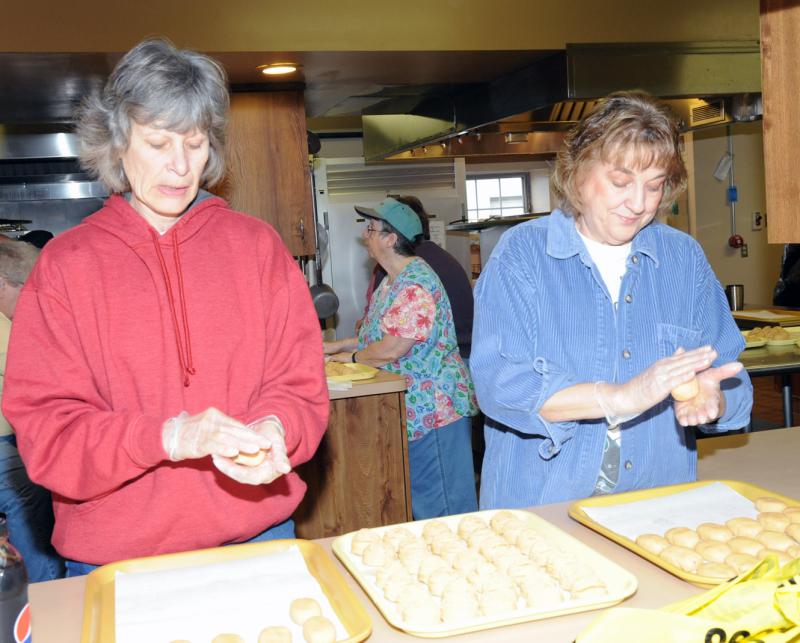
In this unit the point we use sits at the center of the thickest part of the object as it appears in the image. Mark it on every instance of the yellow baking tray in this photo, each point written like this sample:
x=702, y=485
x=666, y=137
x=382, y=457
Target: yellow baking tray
x=619, y=582
x=576, y=511
x=98, y=611
x=356, y=372
x=769, y=317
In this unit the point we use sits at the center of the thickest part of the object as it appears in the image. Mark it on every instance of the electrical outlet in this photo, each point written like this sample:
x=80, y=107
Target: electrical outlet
x=744, y=250
x=757, y=221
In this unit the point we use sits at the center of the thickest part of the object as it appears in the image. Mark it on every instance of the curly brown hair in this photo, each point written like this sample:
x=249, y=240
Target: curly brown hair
x=624, y=125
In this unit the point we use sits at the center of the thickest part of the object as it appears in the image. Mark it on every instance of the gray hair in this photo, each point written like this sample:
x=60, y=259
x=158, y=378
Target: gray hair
x=154, y=82
x=16, y=261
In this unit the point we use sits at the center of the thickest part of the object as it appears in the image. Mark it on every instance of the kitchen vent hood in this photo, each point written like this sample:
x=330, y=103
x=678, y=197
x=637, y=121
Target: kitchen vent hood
x=39, y=163
x=707, y=84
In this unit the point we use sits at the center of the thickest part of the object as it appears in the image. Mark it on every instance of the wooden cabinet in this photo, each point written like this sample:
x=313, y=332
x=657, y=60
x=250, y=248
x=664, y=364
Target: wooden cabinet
x=268, y=171
x=780, y=80
x=359, y=475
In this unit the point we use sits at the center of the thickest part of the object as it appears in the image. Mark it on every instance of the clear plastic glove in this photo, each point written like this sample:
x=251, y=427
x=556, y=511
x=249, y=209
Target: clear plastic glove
x=653, y=384
x=211, y=432
x=709, y=403
x=275, y=464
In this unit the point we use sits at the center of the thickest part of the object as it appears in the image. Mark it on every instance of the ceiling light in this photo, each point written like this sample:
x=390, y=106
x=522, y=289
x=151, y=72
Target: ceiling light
x=277, y=69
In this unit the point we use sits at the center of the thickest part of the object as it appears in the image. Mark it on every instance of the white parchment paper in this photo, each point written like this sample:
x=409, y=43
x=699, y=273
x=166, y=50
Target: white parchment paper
x=715, y=502
x=197, y=603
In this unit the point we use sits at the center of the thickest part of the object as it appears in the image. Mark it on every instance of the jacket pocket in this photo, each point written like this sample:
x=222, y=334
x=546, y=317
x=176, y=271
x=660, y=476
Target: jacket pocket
x=671, y=337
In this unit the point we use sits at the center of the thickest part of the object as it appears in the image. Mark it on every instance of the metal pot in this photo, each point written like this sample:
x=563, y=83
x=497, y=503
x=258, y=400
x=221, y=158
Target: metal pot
x=326, y=303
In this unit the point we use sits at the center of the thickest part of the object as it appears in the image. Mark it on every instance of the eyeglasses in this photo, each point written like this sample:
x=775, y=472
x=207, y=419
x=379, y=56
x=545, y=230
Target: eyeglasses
x=371, y=228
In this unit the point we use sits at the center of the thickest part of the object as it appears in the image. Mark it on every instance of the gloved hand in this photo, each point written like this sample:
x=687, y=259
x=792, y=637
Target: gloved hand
x=709, y=403
x=274, y=465
x=208, y=433
x=627, y=400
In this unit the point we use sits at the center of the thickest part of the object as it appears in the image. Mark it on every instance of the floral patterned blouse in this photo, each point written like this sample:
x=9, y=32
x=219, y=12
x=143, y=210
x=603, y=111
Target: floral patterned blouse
x=415, y=306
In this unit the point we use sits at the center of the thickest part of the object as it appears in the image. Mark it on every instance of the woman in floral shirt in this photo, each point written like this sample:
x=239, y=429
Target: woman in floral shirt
x=409, y=330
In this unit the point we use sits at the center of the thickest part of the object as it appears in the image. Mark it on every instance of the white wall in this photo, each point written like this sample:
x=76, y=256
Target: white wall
x=758, y=271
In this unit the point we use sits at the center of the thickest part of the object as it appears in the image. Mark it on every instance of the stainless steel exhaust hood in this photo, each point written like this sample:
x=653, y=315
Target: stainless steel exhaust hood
x=706, y=83
x=39, y=163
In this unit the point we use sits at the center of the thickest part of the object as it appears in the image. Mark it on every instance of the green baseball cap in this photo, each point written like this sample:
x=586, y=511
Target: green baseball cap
x=403, y=218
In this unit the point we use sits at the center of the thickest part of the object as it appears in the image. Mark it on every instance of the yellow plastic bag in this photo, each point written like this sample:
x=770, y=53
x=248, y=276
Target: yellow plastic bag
x=761, y=606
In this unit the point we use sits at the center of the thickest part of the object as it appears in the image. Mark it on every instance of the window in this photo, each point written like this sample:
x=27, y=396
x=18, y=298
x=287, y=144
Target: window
x=497, y=195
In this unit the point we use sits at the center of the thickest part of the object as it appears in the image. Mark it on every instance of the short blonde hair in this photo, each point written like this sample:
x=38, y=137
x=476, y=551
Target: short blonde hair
x=154, y=81
x=624, y=124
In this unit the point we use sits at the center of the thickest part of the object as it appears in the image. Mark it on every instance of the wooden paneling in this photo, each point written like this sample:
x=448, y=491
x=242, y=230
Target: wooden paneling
x=359, y=475
x=268, y=171
x=780, y=81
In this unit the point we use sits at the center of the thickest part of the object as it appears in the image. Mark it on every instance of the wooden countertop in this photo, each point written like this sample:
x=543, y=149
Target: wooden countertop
x=767, y=458
x=383, y=382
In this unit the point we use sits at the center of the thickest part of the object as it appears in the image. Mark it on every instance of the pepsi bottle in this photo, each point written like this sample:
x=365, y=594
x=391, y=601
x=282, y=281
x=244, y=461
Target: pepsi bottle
x=15, y=615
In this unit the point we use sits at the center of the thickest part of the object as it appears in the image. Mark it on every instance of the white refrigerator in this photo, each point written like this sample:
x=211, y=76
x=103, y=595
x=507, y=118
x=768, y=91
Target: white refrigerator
x=341, y=183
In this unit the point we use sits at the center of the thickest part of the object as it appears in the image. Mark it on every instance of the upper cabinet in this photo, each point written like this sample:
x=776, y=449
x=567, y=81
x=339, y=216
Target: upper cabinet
x=268, y=170
x=780, y=81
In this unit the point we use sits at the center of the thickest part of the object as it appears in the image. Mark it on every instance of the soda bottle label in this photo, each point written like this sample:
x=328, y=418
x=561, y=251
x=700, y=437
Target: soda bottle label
x=22, y=626
x=15, y=616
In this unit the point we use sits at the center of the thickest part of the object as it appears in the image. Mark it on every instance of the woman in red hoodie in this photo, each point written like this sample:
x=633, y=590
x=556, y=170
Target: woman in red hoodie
x=163, y=336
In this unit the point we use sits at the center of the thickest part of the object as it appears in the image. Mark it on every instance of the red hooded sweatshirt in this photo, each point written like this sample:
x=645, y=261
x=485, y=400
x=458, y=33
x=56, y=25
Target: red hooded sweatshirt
x=118, y=329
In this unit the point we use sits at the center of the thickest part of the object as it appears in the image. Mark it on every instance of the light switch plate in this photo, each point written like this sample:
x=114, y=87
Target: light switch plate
x=757, y=222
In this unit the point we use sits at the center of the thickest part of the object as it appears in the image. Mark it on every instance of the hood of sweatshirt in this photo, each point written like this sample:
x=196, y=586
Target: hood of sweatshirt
x=118, y=218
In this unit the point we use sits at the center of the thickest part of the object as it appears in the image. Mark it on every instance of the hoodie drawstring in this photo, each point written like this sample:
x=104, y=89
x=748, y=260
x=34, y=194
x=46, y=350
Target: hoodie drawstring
x=187, y=365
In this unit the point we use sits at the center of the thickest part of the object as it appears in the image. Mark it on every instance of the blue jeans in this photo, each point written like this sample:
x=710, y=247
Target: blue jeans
x=29, y=513
x=442, y=476
x=280, y=531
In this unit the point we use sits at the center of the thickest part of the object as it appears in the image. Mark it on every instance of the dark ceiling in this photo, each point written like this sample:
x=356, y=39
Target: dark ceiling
x=46, y=87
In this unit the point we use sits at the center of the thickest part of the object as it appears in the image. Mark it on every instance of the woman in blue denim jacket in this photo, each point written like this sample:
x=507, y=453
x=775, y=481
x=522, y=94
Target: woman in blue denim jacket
x=587, y=320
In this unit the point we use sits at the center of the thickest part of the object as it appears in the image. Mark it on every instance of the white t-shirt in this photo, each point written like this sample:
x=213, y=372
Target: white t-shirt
x=610, y=261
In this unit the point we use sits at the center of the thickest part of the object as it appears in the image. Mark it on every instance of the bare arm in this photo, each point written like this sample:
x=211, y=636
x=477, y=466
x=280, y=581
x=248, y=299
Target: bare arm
x=573, y=403
x=389, y=349
x=628, y=399
x=340, y=345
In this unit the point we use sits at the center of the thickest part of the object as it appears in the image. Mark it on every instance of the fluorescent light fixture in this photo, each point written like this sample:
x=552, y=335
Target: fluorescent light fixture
x=277, y=69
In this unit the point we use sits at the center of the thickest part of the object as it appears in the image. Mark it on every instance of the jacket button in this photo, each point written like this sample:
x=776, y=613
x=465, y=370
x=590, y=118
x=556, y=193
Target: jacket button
x=626, y=354
x=628, y=465
x=635, y=259
x=628, y=299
